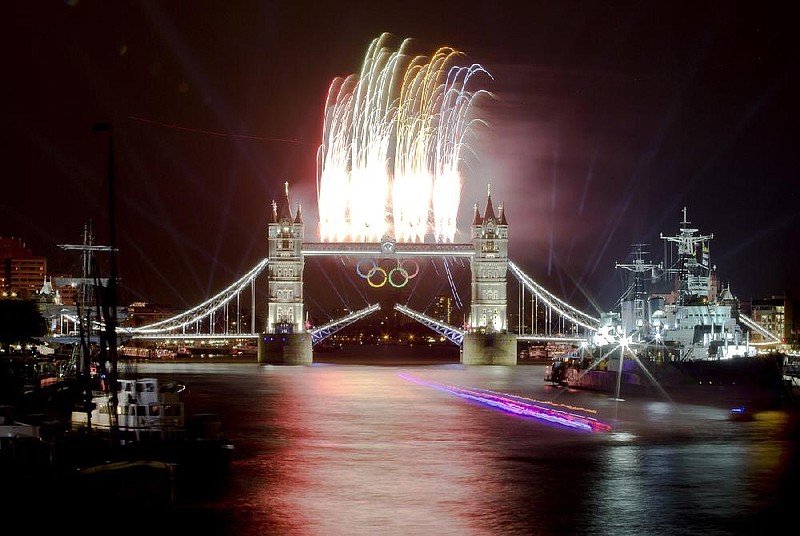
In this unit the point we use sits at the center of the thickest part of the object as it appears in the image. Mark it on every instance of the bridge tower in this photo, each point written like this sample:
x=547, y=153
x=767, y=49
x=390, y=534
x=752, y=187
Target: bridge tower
x=488, y=341
x=284, y=339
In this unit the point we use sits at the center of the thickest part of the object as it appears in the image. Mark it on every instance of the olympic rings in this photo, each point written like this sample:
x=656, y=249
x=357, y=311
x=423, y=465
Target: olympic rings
x=371, y=270
x=416, y=265
x=391, y=279
x=389, y=274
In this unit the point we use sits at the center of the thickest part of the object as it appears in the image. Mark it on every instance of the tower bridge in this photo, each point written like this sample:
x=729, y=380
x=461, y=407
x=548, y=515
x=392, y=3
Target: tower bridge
x=388, y=181
x=284, y=338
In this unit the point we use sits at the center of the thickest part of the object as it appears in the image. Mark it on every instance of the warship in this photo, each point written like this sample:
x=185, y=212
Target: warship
x=691, y=343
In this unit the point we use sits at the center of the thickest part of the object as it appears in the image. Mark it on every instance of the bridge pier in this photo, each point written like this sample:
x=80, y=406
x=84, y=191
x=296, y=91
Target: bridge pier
x=285, y=349
x=489, y=349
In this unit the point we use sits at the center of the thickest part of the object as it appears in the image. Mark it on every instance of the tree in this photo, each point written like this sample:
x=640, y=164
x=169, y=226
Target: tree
x=20, y=322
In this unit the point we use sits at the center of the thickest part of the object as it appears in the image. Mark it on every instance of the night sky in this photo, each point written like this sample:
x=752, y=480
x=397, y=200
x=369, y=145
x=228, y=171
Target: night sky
x=607, y=118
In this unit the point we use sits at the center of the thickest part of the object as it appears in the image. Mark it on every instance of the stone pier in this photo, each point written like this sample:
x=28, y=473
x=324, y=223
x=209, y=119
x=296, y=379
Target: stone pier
x=489, y=349
x=285, y=349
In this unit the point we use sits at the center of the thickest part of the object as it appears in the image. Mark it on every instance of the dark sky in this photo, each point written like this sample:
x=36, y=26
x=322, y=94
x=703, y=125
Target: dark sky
x=607, y=118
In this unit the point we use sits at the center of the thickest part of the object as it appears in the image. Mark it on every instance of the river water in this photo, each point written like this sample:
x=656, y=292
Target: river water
x=384, y=449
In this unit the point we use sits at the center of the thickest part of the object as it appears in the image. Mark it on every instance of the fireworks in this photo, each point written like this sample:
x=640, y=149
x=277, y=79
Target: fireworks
x=392, y=141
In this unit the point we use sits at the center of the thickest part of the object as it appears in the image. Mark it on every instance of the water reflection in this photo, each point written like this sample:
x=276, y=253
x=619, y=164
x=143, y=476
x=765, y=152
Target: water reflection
x=338, y=449
x=351, y=440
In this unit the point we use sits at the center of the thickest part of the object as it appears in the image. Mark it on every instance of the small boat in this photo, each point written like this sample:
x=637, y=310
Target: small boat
x=327, y=347
x=741, y=413
x=24, y=445
x=145, y=410
x=149, y=417
x=37, y=384
x=11, y=429
x=146, y=440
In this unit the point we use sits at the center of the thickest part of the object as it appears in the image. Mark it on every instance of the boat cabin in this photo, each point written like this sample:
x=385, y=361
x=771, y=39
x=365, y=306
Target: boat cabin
x=146, y=410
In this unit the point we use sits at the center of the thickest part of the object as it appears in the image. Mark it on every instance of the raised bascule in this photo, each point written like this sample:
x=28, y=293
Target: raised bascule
x=486, y=341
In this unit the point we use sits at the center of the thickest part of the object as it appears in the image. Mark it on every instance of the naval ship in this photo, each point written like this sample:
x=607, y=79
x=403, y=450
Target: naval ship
x=691, y=343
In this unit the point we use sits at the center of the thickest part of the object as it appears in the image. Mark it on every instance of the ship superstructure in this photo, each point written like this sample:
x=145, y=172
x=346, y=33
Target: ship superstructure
x=695, y=320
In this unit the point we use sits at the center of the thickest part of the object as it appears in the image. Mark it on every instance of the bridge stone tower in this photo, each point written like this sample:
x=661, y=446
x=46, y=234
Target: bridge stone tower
x=284, y=339
x=488, y=341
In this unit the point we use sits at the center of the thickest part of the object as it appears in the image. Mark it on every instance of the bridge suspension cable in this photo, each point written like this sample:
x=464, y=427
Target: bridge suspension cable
x=558, y=305
x=201, y=311
x=210, y=306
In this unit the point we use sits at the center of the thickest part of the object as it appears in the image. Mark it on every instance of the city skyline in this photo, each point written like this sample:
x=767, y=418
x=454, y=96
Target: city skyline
x=605, y=121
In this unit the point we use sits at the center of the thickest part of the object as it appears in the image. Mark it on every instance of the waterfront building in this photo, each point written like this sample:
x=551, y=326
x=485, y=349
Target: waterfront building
x=776, y=315
x=443, y=309
x=23, y=272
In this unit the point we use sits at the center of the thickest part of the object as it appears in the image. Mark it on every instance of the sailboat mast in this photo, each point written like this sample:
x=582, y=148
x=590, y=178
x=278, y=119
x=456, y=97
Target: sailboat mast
x=110, y=301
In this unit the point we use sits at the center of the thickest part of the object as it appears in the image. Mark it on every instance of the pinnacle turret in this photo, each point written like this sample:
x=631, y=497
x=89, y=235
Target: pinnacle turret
x=284, y=212
x=488, y=214
x=281, y=210
x=476, y=217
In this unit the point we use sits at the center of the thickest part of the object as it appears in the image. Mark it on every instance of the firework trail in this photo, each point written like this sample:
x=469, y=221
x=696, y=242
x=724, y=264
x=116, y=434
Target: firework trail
x=392, y=141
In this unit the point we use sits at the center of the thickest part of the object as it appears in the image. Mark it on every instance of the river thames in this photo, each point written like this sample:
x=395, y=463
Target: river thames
x=389, y=448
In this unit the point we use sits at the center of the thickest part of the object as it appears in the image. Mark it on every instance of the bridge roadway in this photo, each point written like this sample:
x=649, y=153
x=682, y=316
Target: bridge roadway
x=168, y=329
x=173, y=328
x=235, y=336
x=400, y=249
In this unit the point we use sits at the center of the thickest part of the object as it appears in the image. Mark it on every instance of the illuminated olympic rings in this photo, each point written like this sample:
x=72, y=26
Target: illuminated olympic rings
x=397, y=276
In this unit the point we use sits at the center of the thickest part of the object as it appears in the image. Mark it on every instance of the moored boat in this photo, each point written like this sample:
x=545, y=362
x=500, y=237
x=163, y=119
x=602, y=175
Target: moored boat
x=690, y=343
x=38, y=386
x=138, y=436
x=146, y=416
x=136, y=410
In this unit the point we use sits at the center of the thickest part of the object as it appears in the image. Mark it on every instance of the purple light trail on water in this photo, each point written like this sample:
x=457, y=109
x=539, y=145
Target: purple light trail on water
x=517, y=406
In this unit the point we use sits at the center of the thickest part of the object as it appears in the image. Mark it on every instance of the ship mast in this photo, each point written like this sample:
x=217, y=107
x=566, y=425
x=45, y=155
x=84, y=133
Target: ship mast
x=110, y=295
x=693, y=275
x=87, y=283
x=636, y=292
x=106, y=289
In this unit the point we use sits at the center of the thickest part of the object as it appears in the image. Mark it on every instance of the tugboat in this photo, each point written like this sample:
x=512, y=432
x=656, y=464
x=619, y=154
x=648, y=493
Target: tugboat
x=689, y=343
